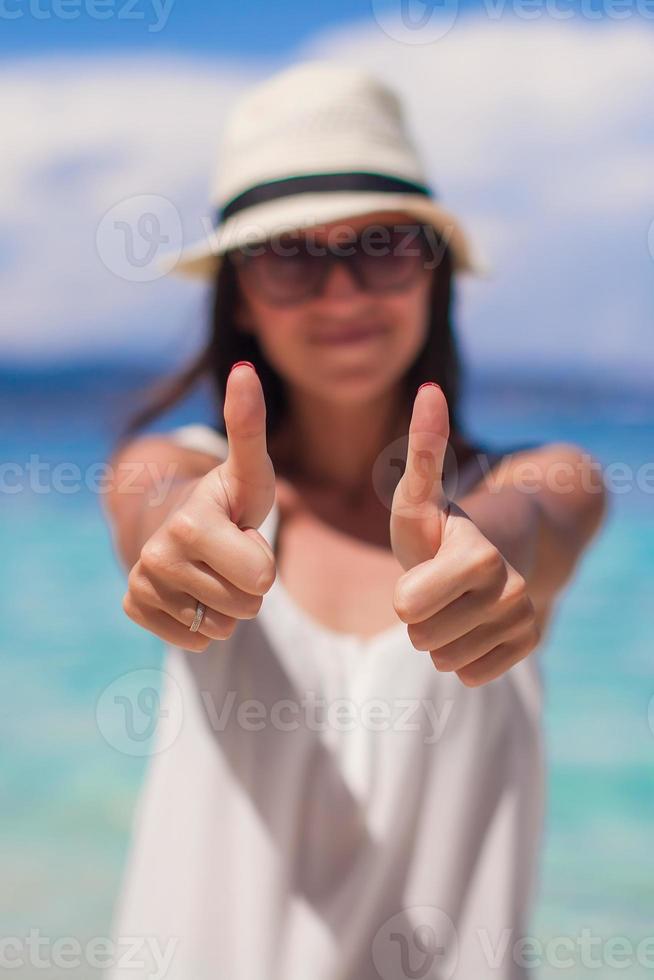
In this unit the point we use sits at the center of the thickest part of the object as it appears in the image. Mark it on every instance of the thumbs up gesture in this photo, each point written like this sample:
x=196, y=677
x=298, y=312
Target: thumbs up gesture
x=247, y=475
x=208, y=548
x=461, y=600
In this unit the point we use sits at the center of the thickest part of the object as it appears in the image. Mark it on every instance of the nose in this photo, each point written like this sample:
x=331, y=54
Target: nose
x=339, y=282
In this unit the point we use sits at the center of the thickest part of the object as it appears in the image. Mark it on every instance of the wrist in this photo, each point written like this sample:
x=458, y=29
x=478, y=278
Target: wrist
x=512, y=521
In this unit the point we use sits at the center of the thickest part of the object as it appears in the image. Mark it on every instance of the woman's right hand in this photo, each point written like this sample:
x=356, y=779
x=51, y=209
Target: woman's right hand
x=208, y=548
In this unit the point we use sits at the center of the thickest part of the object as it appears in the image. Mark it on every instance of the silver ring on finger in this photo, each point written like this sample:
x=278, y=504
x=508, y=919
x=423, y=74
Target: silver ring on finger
x=197, y=619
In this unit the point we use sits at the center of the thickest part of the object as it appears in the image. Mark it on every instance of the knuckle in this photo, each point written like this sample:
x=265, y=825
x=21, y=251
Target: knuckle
x=525, y=611
x=198, y=644
x=516, y=653
x=250, y=606
x=226, y=628
x=135, y=611
x=519, y=612
x=402, y=603
x=153, y=558
x=139, y=586
x=517, y=650
x=134, y=577
x=418, y=636
x=128, y=605
x=515, y=591
x=511, y=649
x=442, y=661
x=529, y=613
x=470, y=676
x=183, y=527
x=488, y=562
x=533, y=636
x=266, y=577
x=530, y=605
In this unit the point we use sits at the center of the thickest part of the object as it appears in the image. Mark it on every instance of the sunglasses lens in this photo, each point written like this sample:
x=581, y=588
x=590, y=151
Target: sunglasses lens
x=291, y=269
x=392, y=258
x=283, y=271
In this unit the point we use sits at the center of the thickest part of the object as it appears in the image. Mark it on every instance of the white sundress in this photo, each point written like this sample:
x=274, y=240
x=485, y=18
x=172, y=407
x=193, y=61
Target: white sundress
x=332, y=808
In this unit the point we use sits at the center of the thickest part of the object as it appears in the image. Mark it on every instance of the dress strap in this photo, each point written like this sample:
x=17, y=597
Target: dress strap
x=202, y=437
x=269, y=525
x=208, y=440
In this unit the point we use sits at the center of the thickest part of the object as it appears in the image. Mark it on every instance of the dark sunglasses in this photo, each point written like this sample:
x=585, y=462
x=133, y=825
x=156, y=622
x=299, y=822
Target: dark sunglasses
x=293, y=267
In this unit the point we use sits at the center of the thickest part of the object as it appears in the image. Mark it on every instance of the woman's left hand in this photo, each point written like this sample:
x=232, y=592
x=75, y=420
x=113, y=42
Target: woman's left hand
x=462, y=601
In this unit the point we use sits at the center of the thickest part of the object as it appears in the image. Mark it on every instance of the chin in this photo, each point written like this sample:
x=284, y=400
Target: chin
x=353, y=386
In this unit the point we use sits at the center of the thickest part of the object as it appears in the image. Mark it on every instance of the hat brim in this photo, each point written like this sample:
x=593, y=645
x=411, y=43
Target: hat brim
x=255, y=224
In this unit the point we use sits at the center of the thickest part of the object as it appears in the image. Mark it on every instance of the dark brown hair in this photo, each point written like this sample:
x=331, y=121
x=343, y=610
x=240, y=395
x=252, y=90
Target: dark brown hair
x=438, y=360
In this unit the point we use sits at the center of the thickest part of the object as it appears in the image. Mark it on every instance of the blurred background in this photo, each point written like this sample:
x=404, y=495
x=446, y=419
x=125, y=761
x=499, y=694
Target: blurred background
x=536, y=119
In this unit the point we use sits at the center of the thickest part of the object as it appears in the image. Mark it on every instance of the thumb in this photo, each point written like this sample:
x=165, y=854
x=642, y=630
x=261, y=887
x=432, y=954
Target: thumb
x=419, y=508
x=248, y=472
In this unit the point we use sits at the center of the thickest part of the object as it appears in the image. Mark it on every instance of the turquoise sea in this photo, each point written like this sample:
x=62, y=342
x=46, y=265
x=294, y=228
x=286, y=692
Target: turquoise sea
x=68, y=796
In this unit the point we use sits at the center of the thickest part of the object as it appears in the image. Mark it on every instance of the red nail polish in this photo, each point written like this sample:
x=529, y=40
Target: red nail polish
x=432, y=383
x=238, y=363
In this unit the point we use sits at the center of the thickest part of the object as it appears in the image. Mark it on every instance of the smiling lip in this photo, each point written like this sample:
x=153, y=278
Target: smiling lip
x=350, y=336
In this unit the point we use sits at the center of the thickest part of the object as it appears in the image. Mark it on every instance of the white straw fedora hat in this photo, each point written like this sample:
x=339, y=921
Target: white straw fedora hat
x=314, y=143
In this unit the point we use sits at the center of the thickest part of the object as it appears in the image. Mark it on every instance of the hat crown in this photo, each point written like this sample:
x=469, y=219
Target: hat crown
x=314, y=117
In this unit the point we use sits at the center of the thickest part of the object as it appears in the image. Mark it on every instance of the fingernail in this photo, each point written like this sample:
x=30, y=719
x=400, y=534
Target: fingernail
x=238, y=364
x=432, y=383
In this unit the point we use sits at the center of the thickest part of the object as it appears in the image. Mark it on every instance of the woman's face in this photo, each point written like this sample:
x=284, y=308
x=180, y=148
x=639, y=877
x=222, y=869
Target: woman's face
x=346, y=343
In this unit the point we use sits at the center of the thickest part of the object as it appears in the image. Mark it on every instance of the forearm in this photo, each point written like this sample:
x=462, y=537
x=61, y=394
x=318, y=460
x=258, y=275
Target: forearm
x=519, y=527
x=511, y=521
x=543, y=532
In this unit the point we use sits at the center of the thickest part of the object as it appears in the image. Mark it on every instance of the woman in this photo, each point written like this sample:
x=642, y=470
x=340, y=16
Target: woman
x=351, y=616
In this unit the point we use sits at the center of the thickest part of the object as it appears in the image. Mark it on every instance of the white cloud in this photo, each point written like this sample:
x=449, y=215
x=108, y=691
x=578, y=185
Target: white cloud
x=540, y=136
x=84, y=135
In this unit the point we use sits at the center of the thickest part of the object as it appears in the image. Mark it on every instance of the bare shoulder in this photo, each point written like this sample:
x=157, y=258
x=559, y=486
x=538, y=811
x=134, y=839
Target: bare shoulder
x=145, y=451
x=151, y=459
x=564, y=466
x=562, y=457
x=566, y=478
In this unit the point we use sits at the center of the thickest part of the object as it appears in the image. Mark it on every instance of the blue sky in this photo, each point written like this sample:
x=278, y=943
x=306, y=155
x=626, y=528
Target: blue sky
x=252, y=28
x=538, y=133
